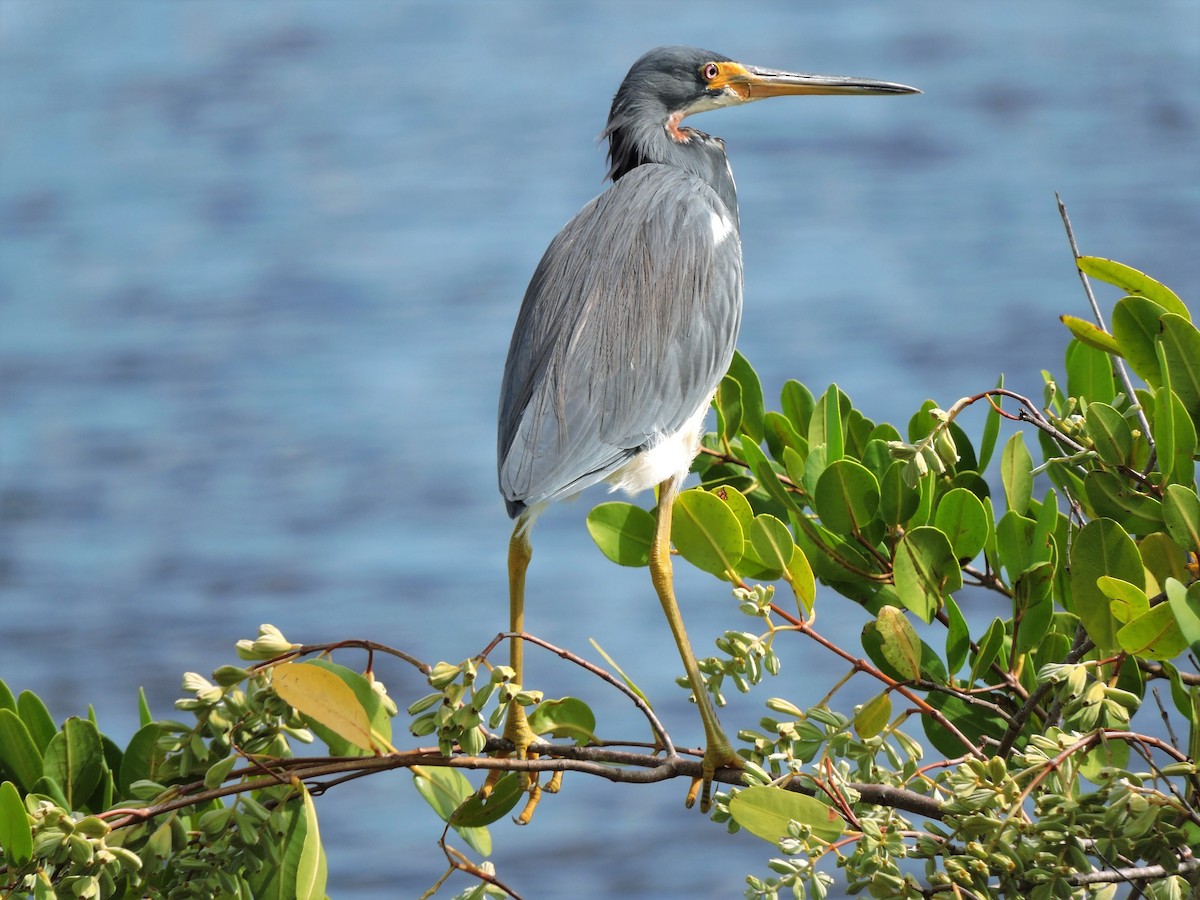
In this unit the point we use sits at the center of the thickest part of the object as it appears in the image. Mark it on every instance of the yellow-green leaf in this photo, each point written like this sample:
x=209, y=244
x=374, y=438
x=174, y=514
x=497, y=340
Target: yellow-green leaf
x=899, y=642
x=872, y=717
x=1132, y=281
x=1153, y=635
x=706, y=532
x=322, y=696
x=766, y=811
x=16, y=837
x=623, y=532
x=1091, y=334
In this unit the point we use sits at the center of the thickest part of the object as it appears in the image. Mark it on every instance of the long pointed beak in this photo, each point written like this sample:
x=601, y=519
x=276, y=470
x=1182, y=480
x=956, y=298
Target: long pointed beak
x=751, y=83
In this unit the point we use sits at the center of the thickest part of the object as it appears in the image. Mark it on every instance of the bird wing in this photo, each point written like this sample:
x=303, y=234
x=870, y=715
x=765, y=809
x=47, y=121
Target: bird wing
x=626, y=329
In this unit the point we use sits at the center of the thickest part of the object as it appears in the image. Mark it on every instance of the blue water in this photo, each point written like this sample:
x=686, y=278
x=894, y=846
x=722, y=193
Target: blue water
x=258, y=268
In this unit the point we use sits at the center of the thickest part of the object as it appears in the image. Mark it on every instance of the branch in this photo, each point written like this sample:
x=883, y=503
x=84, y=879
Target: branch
x=1118, y=362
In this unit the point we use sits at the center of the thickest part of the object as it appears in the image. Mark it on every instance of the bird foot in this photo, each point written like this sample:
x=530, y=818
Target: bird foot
x=717, y=755
x=518, y=733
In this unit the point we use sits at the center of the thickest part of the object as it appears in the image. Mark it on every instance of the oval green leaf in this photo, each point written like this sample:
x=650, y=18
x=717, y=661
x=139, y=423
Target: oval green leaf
x=961, y=517
x=623, y=532
x=1181, y=513
x=1102, y=547
x=16, y=837
x=1110, y=433
x=1153, y=635
x=20, y=755
x=766, y=811
x=873, y=716
x=899, y=642
x=1016, y=473
x=75, y=760
x=1132, y=281
x=1181, y=347
x=1115, y=498
x=925, y=570
x=846, y=497
x=1136, y=325
x=568, y=717
x=706, y=532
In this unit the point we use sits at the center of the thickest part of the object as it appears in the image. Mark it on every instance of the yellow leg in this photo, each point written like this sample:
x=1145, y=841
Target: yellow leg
x=516, y=725
x=718, y=752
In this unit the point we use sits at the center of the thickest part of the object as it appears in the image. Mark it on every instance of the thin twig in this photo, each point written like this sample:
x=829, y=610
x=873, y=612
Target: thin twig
x=1119, y=363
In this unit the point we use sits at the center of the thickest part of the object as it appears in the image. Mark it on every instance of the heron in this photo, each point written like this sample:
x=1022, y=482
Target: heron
x=627, y=328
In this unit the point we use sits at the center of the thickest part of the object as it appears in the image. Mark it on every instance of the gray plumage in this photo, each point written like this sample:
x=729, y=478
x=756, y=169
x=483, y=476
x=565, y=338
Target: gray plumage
x=630, y=320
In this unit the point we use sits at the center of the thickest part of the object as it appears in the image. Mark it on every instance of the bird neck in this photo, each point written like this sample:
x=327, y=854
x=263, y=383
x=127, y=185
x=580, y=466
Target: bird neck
x=671, y=144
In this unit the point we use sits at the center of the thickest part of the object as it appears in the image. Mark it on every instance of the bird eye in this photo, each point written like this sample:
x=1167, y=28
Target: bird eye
x=710, y=71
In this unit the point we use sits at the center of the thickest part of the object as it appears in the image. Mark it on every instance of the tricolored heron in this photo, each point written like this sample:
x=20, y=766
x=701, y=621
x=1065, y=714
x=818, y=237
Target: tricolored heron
x=629, y=324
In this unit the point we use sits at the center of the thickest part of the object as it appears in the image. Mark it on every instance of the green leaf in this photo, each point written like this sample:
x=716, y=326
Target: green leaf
x=1153, y=635
x=897, y=500
x=1163, y=559
x=1102, y=547
x=846, y=496
x=1115, y=498
x=16, y=836
x=218, y=772
x=873, y=716
x=75, y=760
x=1132, y=281
x=1136, y=326
x=766, y=811
x=1033, y=605
x=1181, y=513
x=706, y=532
x=973, y=721
x=1016, y=472
x=1090, y=335
x=145, y=717
x=772, y=541
x=623, y=532
x=728, y=402
x=825, y=426
x=989, y=648
x=751, y=396
x=762, y=470
x=1174, y=437
x=479, y=812
x=1110, y=434
x=799, y=575
x=310, y=866
x=899, y=642
x=779, y=432
x=925, y=570
x=568, y=717
x=1185, y=606
x=797, y=403
x=1090, y=373
x=991, y=429
x=1014, y=543
x=18, y=752
x=446, y=790
x=37, y=719
x=1126, y=601
x=1107, y=756
x=961, y=517
x=1181, y=346
x=141, y=758
x=738, y=505
x=958, y=637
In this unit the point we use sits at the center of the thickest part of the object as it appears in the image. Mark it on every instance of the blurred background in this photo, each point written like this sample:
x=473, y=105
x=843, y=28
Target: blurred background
x=259, y=264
